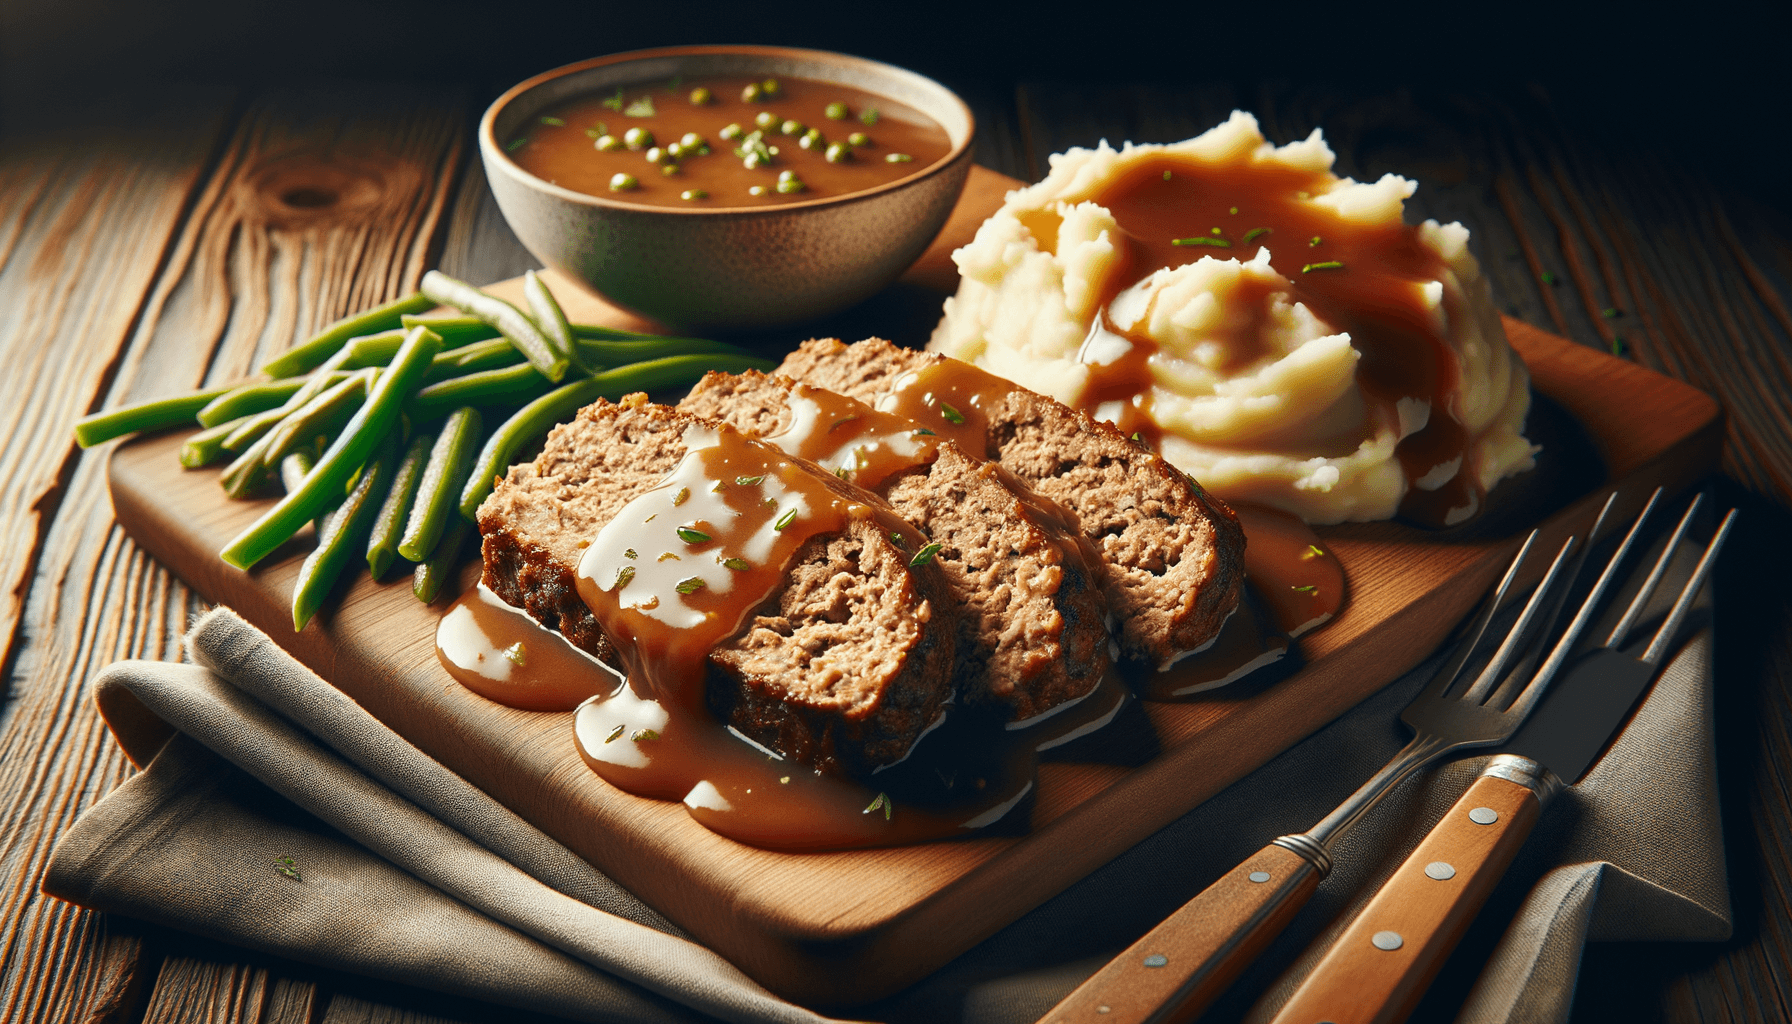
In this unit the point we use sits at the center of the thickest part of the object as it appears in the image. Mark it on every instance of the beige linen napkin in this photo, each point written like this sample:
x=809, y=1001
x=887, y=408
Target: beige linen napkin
x=408, y=873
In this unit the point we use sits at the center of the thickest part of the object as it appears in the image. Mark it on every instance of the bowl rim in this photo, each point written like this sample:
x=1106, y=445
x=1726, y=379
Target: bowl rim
x=495, y=156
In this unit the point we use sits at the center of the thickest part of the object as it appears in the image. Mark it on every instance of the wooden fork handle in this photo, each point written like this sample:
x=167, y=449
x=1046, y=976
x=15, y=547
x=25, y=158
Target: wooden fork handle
x=1382, y=964
x=1181, y=965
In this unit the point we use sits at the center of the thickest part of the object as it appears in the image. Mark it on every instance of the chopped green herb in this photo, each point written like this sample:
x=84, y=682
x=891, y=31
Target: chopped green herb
x=898, y=158
x=868, y=116
x=516, y=144
x=843, y=421
x=924, y=432
x=718, y=486
x=516, y=653
x=883, y=801
x=1233, y=211
x=677, y=81
x=644, y=735
x=840, y=472
x=737, y=564
x=693, y=193
x=1316, y=241
x=553, y=121
x=615, y=734
x=750, y=481
x=690, y=536
x=1617, y=345
x=785, y=781
x=690, y=585
x=1549, y=278
x=288, y=867
x=923, y=556
x=651, y=518
x=1166, y=175
x=837, y=112
x=1215, y=231
x=667, y=554
x=624, y=576
x=642, y=107
x=615, y=102
x=701, y=97
x=1313, y=551
x=1327, y=265
x=952, y=415
x=1609, y=313
x=1308, y=589
x=770, y=86
x=896, y=539
x=1254, y=233
x=784, y=520
x=1218, y=243
x=630, y=553
x=679, y=498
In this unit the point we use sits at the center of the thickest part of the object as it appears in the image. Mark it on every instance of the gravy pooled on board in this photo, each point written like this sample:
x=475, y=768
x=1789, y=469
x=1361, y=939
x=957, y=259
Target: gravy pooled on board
x=585, y=144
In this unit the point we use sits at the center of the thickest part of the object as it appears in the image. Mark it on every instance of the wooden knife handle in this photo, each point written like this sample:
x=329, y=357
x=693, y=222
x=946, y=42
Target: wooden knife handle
x=1382, y=964
x=1181, y=965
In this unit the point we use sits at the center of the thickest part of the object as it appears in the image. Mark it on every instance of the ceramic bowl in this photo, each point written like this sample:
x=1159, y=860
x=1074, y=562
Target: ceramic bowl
x=727, y=269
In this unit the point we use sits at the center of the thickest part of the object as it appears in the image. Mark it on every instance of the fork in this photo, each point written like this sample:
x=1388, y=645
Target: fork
x=1179, y=967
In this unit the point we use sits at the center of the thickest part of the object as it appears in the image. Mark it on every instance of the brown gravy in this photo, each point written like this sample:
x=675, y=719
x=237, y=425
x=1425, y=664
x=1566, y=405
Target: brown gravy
x=566, y=153
x=1360, y=279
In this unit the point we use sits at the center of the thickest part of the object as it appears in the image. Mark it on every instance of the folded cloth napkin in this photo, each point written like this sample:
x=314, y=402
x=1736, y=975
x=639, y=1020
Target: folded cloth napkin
x=275, y=813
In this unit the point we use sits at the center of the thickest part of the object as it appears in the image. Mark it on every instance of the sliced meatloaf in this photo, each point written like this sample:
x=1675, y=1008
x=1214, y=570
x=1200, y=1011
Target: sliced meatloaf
x=842, y=669
x=1174, y=554
x=1032, y=620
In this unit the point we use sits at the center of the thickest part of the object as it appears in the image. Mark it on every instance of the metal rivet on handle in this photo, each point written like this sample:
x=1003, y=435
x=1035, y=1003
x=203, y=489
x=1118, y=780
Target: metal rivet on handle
x=1483, y=815
x=1389, y=941
x=1439, y=870
x=1156, y=960
x=1259, y=876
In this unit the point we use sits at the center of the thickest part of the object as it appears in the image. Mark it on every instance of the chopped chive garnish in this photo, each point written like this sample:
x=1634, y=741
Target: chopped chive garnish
x=1218, y=243
x=516, y=144
x=644, y=735
x=750, y=481
x=1617, y=344
x=923, y=556
x=924, y=432
x=737, y=564
x=1255, y=232
x=690, y=585
x=679, y=498
x=623, y=577
x=690, y=536
x=1313, y=551
x=784, y=520
x=1308, y=589
x=1327, y=265
x=615, y=734
x=554, y=121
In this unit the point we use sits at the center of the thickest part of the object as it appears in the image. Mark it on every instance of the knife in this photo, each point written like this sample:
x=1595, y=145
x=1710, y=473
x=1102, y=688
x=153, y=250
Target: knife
x=1381, y=965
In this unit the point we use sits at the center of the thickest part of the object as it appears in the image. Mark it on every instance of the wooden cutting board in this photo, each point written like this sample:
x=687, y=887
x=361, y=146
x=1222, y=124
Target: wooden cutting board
x=836, y=929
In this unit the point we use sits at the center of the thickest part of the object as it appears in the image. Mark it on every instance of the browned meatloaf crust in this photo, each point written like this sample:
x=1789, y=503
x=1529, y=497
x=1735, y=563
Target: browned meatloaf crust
x=1032, y=629
x=842, y=669
x=1174, y=553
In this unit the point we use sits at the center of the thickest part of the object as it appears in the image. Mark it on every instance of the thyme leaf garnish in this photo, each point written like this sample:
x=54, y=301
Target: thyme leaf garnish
x=690, y=585
x=750, y=481
x=923, y=556
x=644, y=735
x=951, y=414
x=630, y=553
x=679, y=498
x=737, y=564
x=624, y=576
x=785, y=520
x=690, y=536
x=883, y=801
x=615, y=734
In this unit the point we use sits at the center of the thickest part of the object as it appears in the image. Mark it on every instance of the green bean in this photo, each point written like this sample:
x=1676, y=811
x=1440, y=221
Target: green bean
x=371, y=350
x=508, y=319
x=481, y=355
x=323, y=416
x=374, y=420
x=534, y=419
x=163, y=412
x=248, y=470
x=293, y=470
x=333, y=337
x=622, y=351
x=449, y=460
x=512, y=385
x=207, y=446
x=427, y=579
x=244, y=399
x=343, y=532
x=455, y=330
x=388, y=529
x=258, y=424
x=551, y=319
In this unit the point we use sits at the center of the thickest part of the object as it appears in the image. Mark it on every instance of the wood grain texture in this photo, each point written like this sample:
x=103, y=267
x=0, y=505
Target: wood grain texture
x=843, y=927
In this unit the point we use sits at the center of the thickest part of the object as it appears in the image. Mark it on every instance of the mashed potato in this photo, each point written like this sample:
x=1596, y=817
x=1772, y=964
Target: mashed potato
x=1276, y=331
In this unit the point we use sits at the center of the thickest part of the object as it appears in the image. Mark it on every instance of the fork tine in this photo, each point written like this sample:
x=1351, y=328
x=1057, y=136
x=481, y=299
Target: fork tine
x=1665, y=635
x=1446, y=676
x=1533, y=690
x=1641, y=601
x=1520, y=631
x=1502, y=694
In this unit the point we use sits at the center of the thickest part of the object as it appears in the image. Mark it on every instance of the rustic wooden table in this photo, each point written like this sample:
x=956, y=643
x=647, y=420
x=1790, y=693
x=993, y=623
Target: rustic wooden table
x=186, y=234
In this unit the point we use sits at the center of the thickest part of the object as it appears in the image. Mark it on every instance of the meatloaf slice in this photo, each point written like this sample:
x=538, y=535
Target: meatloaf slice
x=1174, y=554
x=842, y=669
x=1026, y=588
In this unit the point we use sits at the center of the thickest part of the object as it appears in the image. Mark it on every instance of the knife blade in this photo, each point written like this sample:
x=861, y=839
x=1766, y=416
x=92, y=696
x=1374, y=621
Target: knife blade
x=1379, y=967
